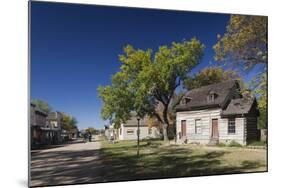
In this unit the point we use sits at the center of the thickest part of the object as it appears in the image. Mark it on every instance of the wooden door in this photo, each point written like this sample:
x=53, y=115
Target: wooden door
x=183, y=127
x=215, y=129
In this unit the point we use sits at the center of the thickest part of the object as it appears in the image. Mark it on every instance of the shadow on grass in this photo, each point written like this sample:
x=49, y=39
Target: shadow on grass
x=123, y=164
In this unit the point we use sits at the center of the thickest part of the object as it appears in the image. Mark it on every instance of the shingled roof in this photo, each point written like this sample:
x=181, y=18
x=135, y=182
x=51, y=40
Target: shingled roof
x=133, y=121
x=198, y=98
x=239, y=106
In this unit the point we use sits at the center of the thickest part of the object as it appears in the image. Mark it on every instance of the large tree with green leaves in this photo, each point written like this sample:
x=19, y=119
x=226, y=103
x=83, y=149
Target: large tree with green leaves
x=91, y=130
x=245, y=44
x=68, y=122
x=209, y=75
x=146, y=79
x=42, y=105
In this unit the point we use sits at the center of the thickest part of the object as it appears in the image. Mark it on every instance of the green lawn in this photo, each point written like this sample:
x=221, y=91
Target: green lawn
x=158, y=159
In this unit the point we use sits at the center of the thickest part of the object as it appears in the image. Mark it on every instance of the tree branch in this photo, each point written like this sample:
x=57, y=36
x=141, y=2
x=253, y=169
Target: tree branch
x=157, y=116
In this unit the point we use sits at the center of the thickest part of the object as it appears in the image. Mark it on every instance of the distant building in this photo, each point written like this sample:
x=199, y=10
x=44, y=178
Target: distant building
x=128, y=130
x=70, y=134
x=38, y=121
x=110, y=132
x=53, y=129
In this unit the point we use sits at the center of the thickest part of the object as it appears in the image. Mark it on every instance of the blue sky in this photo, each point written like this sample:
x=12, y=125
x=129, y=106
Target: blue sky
x=74, y=48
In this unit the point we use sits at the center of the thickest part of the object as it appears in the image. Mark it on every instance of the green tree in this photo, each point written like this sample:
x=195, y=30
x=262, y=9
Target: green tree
x=209, y=75
x=42, y=105
x=68, y=122
x=73, y=122
x=145, y=80
x=91, y=130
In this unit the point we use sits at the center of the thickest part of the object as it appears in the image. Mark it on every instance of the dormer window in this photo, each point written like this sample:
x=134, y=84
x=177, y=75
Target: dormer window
x=212, y=96
x=186, y=100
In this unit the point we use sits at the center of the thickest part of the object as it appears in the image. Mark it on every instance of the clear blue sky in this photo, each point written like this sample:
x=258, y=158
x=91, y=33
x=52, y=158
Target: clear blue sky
x=74, y=48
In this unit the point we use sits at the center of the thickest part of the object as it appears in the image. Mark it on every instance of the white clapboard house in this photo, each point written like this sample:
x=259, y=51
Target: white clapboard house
x=217, y=113
x=128, y=130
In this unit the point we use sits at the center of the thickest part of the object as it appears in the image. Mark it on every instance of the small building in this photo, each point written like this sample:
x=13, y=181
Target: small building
x=110, y=132
x=128, y=130
x=70, y=134
x=217, y=113
x=53, y=129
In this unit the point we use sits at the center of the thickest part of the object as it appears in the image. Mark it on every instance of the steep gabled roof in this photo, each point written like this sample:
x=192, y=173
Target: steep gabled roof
x=133, y=121
x=198, y=98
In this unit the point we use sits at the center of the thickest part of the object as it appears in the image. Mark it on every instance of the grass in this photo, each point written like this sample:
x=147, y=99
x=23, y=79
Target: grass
x=257, y=143
x=234, y=144
x=158, y=159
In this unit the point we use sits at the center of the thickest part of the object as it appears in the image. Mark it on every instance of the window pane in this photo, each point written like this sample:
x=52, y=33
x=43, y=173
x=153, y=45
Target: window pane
x=231, y=125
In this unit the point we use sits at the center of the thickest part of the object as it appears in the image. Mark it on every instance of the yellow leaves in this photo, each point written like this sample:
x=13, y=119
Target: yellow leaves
x=244, y=38
x=210, y=75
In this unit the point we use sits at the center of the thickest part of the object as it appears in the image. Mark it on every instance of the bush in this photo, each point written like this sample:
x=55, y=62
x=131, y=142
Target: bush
x=221, y=145
x=233, y=143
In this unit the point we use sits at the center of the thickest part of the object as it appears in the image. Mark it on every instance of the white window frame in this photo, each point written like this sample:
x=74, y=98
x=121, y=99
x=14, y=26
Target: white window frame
x=198, y=124
x=130, y=131
x=231, y=120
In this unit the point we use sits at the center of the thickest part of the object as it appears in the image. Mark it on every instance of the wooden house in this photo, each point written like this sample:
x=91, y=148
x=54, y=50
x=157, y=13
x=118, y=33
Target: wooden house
x=216, y=113
x=128, y=130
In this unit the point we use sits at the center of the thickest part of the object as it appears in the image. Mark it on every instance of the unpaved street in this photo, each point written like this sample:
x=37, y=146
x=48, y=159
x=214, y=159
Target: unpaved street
x=77, y=162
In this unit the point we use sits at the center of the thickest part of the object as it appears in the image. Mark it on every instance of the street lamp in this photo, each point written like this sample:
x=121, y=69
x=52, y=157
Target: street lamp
x=138, y=134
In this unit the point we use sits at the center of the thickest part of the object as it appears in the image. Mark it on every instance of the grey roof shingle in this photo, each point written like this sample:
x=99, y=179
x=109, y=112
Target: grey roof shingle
x=133, y=121
x=239, y=106
x=198, y=97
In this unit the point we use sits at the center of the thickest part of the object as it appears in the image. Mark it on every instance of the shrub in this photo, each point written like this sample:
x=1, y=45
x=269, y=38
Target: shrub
x=221, y=144
x=233, y=143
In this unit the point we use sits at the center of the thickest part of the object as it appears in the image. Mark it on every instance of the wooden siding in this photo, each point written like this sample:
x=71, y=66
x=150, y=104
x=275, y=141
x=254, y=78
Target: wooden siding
x=206, y=117
x=238, y=136
x=144, y=133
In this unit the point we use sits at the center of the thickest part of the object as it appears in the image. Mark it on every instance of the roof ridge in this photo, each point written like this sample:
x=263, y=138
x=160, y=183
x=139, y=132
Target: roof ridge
x=202, y=87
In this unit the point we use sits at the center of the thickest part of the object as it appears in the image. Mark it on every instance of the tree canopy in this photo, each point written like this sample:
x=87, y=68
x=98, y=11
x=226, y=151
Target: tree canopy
x=146, y=79
x=245, y=41
x=209, y=75
x=42, y=105
x=91, y=130
x=69, y=122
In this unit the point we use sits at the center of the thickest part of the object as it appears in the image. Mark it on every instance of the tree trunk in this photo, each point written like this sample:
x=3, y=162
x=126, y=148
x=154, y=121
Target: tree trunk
x=165, y=132
x=166, y=122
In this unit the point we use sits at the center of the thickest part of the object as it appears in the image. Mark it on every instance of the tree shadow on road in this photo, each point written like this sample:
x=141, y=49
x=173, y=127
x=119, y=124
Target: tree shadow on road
x=65, y=167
